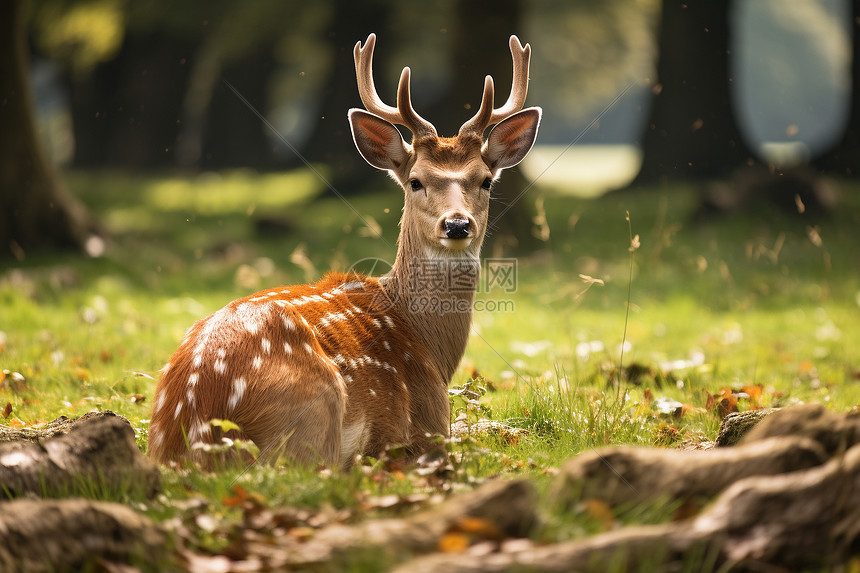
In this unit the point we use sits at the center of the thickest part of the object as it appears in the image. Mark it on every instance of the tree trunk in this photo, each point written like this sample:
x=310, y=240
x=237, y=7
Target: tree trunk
x=126, y=112
x=692, y=132
x=481, y=50
x=844, y=157
x=234, y=136
x=331, y=141
x=35, y=209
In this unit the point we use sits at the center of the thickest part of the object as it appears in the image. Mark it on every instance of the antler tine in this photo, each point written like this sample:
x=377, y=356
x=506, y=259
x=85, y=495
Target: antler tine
x=366, y=89
x=419, y=126
x=403, y=114
x=519, y=88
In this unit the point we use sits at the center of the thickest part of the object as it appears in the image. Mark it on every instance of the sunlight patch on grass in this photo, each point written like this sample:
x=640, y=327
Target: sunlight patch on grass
x=214, y=193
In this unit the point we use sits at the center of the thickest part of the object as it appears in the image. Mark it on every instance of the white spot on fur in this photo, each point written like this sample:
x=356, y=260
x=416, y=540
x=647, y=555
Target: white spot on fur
x=287, y=348
x=251, y=315
x=166, y=368
x=155, y=439
x=328, y=295
x=407, y=356
x=159, y=402
x=288, y=323
x=339, y=359
x=308, y=348
x=198, y=360
x=332, y=317
x=352, y=285
x=347, y=378
x=220, y=366
x=372, y=392
x=353, y=363
x=222, y=353
x=267, y=346
x=257, y=362
x=189, y=396
x=285, y=291
x=386, y=345
x=377, y=323
x=192, y=380
x=305, y=322
x=388, y=321
x=177, y=410
x=239, y=386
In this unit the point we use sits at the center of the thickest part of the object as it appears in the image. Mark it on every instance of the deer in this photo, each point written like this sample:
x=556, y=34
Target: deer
x=352, y=365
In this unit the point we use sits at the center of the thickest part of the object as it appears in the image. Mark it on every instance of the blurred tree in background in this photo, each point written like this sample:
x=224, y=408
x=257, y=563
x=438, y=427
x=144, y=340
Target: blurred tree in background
x=692, y=130
x=35, y=208
x=843, y=158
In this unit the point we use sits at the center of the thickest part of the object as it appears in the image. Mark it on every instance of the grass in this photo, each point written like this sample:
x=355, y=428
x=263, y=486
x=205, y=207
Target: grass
x=763, y=306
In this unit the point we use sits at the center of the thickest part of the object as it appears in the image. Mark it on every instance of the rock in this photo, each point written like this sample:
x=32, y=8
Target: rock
x=630, y=474
x=76, y=534
x=97, y=453
x=737, y=424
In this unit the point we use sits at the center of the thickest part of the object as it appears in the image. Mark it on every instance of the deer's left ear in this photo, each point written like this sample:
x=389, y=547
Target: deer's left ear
x=377, y=140
x=510, y=141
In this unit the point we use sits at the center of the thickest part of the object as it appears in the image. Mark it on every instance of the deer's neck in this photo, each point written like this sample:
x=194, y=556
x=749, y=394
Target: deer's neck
x=435, y=289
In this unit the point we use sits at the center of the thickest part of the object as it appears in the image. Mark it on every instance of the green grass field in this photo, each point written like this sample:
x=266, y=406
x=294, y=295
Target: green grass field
x=757, y=311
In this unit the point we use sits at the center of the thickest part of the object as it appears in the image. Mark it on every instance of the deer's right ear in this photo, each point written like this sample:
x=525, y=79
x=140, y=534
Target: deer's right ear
x=378, y=141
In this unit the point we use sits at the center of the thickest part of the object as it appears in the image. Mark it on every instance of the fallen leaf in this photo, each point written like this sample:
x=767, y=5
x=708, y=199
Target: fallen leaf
x=666, y=434
x=138, y=398
x=478, y=527
x=7, y=410
x=599, y=510
x=755, y=392
x=727, y=404
x=244, y=497
x=453, y=542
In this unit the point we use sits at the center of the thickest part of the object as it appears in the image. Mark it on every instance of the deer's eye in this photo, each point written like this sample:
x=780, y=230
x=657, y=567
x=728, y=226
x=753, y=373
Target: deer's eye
x=415, y=185
x=487, y=184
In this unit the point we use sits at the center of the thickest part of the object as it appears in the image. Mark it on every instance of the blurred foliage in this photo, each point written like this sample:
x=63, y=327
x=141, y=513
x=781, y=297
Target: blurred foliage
x=80, y=34
x=591, y=50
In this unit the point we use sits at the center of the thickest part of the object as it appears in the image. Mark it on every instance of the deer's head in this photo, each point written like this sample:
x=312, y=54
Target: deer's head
x=447, y=180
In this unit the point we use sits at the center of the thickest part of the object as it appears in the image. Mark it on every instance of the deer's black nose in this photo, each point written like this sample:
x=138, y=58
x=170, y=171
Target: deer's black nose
x=457, y=228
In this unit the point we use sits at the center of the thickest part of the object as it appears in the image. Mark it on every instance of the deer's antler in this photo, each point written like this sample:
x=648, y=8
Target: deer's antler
x=403, y=114
x=519, y=87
